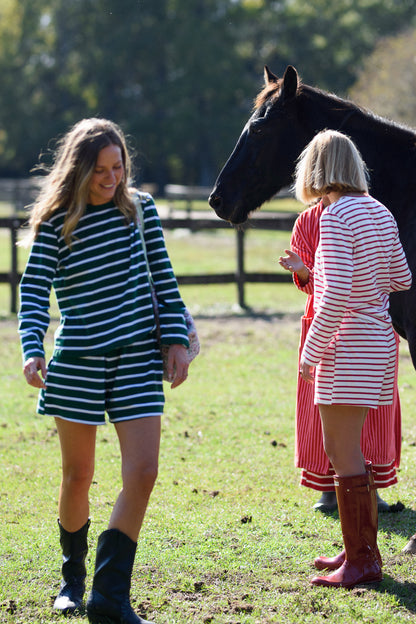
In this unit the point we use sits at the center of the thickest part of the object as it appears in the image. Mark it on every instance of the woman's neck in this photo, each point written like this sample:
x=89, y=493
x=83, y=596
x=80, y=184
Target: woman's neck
x=334, y=196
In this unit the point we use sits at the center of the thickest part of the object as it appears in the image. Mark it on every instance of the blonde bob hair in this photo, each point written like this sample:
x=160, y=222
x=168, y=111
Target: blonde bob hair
x=330, y=162
x=66, y=187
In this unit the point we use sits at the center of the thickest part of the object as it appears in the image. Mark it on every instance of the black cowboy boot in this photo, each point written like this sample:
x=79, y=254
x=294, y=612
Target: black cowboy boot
x=109, y=600
x=74, y=551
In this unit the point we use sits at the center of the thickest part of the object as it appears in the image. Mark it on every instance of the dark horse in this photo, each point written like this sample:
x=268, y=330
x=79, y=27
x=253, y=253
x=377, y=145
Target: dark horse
x=286, y=117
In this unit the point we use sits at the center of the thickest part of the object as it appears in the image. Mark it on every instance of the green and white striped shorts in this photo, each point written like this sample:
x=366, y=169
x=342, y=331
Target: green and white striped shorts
x=126, y=383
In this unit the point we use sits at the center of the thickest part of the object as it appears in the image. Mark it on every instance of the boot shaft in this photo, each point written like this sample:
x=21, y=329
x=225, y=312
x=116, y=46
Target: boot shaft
x=74, y=551
x=110, y=595
x=357, y=505
x=114, y=562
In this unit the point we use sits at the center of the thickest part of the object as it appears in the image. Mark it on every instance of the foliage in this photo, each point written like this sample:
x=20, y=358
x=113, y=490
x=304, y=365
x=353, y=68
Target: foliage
x=178, y=75
x=387, y=80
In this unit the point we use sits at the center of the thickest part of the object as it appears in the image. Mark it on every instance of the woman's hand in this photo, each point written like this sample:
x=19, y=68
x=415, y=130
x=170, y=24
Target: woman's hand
x=294, y=263
x=30, y=371
x=177, y=365
x=307, y=372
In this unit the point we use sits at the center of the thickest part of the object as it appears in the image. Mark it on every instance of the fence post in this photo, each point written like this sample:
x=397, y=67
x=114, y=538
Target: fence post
x=13, y=275
x=240, y=274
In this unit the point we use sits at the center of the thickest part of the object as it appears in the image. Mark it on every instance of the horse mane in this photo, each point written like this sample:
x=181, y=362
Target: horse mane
x=271, y=92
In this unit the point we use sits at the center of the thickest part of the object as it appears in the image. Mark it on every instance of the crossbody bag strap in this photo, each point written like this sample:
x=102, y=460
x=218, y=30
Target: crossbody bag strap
x=140, y=227
x=140, y=219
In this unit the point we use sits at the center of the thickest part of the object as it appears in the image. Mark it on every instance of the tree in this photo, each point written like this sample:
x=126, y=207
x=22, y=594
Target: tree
x=387, y=81
x=23, y=58
x=178, y=75
x=325, y=40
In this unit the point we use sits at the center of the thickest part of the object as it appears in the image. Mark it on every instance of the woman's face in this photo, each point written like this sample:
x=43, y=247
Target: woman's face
x=108, y=173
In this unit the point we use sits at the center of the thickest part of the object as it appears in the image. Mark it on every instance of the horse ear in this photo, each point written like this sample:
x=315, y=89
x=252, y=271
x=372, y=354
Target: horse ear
x=290, y=83
x=269, y=77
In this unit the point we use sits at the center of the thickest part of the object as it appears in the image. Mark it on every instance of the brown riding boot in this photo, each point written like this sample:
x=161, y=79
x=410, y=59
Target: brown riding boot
x=333, y=563
x=357, y=507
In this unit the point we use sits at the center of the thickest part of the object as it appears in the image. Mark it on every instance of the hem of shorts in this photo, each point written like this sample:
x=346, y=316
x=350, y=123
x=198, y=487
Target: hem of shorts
x=101, y=422
x=353, y=403
x=74, y=420
x=124, y=418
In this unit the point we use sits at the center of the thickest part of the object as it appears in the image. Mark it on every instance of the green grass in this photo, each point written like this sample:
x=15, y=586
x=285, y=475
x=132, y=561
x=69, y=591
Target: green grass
x=229, y=536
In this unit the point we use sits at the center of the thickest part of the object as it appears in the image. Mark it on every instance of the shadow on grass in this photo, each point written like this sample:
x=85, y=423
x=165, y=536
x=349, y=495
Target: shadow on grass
x=403, y=523
x=399, y=520
x=403, y=591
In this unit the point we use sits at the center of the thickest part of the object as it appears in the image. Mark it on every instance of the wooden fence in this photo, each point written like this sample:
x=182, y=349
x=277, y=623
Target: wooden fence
x=13, y=276
x=268, y=221
x=20, y=193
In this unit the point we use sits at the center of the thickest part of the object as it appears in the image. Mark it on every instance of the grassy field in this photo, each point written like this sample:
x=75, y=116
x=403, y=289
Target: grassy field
x=229, y=537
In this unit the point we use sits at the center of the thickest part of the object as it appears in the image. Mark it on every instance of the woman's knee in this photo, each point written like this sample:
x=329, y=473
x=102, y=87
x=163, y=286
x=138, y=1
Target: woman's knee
x=78, y=476
x=337, y=450
x=140, y=475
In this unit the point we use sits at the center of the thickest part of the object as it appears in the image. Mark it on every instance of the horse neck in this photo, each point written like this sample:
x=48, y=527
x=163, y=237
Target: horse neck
x=388, y=149
x=328, y=111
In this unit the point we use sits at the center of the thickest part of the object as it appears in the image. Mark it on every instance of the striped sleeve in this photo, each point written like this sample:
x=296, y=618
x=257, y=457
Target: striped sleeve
x=336, y=274
x=171, y=307
x=35, y=288
x=400, y=275
x=304, y=242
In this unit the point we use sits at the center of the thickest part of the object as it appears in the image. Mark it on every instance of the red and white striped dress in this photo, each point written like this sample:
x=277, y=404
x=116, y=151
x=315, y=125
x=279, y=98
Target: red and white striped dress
x=381, y=435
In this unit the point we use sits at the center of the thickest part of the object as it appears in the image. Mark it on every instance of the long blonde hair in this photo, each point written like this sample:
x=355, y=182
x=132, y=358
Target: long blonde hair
x=67, y=184
x=330, y=162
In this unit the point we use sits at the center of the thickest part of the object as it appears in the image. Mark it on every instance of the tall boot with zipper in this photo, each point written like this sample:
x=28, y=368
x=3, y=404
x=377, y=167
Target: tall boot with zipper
x=333, y=563
x=74, y=551
x=109, y=600
x=357, y=507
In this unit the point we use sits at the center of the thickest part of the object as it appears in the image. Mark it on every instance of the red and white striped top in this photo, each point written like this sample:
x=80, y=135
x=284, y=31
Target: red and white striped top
x=359, y=261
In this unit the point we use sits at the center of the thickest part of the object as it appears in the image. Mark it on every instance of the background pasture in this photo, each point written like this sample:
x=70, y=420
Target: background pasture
x=229, y=536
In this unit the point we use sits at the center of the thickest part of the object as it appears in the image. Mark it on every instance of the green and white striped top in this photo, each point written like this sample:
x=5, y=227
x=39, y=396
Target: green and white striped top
x=101, y=284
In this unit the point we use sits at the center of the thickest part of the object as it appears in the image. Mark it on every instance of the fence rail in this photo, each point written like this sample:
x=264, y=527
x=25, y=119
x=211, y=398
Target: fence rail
x=265, y=221
x=21, y=192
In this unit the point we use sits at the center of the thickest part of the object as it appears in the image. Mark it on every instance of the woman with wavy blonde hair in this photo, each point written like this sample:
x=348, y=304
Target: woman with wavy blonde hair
x=106, y=359
x=67, y=185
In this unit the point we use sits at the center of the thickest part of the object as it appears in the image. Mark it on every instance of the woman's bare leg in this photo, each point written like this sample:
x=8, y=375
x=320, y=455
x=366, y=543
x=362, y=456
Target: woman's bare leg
x=139, y=445
x=341, y=428
x=78, y=456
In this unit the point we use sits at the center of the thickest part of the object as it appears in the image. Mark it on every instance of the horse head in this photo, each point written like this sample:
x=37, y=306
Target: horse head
x=287, y=114
x=263, y=160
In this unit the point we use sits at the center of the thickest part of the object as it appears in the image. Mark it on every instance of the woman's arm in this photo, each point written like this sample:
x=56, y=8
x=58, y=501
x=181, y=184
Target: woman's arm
x=400, y=274
x=304, y=242
x=35, y=288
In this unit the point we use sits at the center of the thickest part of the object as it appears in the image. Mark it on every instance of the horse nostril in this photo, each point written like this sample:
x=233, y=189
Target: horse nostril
x=215, y=201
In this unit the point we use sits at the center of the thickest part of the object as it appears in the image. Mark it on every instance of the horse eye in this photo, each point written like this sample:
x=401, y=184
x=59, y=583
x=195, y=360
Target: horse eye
x=256, y=126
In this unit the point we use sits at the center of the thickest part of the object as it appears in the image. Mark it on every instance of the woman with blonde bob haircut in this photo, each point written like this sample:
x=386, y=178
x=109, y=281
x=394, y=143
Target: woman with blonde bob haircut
x=351, y=342
x=331, y=162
